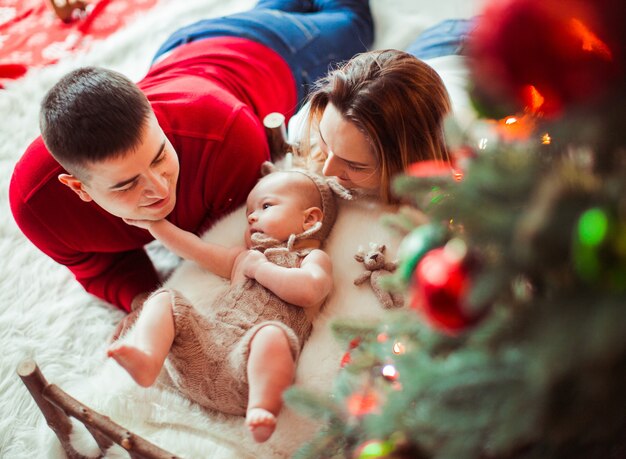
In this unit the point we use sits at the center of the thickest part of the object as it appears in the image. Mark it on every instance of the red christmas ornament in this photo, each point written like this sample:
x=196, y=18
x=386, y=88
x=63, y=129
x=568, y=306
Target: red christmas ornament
x=362, y=403
x=544, y=55
x=440, y=285
x=432, y=168
x=354, y=343
x=347, y=357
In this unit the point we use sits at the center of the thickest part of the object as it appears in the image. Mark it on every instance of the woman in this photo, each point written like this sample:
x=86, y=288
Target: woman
x=375, y=115
x=382, y=111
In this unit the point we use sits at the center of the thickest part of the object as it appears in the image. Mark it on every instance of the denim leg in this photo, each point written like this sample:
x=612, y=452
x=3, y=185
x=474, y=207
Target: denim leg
x=443, y=39
x=309, y=41
x=299, y=6
x=314, y=43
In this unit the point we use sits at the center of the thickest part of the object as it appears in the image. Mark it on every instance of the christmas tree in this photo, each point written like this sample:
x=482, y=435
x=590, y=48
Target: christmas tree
x=513, y=342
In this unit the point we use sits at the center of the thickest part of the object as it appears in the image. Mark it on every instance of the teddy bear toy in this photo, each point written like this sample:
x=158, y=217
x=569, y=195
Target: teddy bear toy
x=377, y=267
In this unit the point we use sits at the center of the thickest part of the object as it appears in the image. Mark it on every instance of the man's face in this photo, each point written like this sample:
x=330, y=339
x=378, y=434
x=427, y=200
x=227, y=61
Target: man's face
x=139, y=185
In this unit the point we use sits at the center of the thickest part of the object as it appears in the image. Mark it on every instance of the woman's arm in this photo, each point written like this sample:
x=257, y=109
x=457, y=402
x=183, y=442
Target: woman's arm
x=305, y=286
x=213, y=257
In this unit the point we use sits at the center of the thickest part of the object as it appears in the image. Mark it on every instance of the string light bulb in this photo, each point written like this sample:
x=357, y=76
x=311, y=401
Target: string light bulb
x=398, y=348
x=389, y=372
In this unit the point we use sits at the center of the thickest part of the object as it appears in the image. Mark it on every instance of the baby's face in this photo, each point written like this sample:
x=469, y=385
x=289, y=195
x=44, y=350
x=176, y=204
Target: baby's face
x=277, y=207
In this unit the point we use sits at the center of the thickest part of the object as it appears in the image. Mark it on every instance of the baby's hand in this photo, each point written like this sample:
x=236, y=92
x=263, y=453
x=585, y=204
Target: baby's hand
x=145, y=224
x=251, y=262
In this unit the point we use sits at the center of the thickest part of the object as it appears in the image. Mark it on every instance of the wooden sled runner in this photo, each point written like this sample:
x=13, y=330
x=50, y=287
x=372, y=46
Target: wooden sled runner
x=58, y=407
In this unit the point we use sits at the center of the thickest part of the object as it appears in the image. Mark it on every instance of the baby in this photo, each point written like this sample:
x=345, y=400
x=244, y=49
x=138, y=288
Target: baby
x=241, y=355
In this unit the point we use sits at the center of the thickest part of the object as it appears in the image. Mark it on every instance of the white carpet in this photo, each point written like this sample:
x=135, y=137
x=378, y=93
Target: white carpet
x=45, y=314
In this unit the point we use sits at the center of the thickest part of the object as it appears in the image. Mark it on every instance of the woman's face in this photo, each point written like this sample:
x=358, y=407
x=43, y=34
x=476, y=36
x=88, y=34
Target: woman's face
x=348, y=151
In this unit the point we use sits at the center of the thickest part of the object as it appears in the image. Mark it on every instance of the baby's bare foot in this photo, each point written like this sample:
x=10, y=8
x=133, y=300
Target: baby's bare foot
x=261, y=423
x=142, y=367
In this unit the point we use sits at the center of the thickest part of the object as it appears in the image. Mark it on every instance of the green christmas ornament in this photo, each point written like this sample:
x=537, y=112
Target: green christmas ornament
x=415, y=245
x=599, y=252
x=374, y=449
x=593, y=227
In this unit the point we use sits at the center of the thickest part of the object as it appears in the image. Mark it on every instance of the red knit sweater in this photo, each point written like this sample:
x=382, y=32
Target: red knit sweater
x=209, y=97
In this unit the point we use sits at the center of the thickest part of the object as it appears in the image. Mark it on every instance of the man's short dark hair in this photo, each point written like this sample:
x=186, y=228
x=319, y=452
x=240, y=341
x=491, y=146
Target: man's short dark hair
x=92, y=114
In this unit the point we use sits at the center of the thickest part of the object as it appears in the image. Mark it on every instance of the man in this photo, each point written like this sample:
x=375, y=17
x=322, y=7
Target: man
x=185, y=143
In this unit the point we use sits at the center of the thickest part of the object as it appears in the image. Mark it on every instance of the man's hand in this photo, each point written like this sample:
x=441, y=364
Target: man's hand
x=251, y=262
x=129, y=320
x=145, y=224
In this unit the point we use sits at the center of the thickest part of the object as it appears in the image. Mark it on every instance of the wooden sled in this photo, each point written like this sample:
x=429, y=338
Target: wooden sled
x=57, y=406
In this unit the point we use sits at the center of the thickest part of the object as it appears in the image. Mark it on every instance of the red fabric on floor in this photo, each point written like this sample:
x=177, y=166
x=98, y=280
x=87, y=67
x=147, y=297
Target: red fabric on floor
x=31, y=35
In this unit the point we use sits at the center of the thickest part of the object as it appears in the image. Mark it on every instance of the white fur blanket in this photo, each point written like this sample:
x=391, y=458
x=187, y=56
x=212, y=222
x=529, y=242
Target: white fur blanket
x=45, y=314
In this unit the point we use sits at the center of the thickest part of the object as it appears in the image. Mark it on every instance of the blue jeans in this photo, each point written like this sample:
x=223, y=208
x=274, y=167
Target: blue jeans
x=443, y=39
x=310, y=35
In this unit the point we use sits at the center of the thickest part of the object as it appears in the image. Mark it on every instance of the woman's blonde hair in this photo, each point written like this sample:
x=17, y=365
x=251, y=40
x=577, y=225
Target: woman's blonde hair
x=396, y=100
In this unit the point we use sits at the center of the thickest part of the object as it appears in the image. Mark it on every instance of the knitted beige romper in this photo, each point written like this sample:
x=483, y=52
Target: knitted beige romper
x=209, y=355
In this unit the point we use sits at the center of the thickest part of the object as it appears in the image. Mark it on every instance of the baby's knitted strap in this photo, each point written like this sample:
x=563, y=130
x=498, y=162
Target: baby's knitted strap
x=262, y=242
